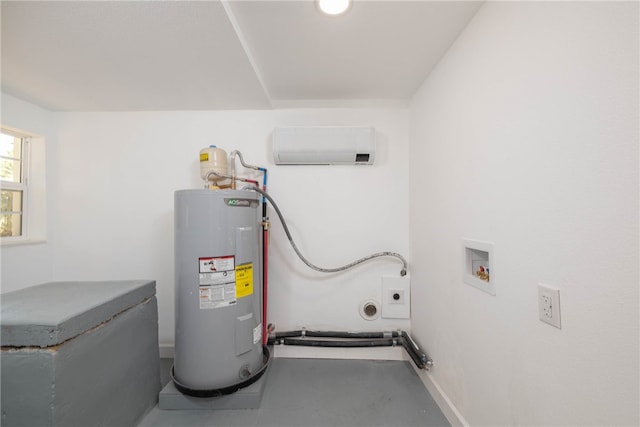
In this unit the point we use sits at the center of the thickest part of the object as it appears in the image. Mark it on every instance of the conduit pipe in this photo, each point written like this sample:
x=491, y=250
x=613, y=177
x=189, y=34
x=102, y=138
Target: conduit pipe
x=355, y=339
x=265, y=276
x=337, y=334
x=387, y=342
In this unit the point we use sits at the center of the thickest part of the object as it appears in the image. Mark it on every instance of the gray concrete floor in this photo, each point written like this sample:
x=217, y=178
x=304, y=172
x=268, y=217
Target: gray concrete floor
x=322, y=392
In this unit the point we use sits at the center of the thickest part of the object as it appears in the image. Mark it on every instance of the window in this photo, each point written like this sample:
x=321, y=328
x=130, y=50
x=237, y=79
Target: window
x=14, y=190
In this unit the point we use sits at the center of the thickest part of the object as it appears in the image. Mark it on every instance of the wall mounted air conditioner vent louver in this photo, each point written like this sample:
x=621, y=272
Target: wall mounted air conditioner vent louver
x=324, y=145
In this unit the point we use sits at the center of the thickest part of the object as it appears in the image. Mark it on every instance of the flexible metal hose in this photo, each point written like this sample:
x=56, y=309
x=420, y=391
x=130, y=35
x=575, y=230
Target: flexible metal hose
x=403, y=272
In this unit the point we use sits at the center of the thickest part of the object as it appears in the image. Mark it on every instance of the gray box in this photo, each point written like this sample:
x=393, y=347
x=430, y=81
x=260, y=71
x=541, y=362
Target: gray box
x=79, y=354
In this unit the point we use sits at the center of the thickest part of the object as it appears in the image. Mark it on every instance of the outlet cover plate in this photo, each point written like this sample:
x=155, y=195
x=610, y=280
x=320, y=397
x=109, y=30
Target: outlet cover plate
x=549, y=305
x=396, y=297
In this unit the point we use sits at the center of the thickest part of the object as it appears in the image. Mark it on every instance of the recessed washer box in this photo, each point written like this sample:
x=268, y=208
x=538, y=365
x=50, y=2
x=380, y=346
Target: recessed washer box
x=477, y=269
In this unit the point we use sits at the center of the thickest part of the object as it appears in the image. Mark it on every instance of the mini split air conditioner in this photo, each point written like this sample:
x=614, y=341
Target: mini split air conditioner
x=330, y=145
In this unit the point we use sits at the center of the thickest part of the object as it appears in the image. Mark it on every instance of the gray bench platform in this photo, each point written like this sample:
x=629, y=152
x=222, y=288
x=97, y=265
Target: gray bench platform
x=79, y=354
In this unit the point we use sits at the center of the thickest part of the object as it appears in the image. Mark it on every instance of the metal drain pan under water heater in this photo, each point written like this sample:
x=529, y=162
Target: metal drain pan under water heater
x=218, y=289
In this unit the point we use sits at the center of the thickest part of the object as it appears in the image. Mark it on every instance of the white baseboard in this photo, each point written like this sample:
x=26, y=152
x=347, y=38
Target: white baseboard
x=379, y=353
x=166, y=351
x=366, y=353
x=449, y=410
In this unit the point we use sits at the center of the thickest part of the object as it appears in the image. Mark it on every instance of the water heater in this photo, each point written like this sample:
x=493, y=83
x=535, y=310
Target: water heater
x=218, y=293
x=221, y=259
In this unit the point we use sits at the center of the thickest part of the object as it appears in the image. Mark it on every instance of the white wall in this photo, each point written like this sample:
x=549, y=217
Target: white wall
x=30, y=263
x=526, y=135
x=117, y=173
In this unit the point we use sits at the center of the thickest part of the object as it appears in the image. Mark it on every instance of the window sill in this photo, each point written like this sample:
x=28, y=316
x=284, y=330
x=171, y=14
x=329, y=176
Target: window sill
x=21, y=242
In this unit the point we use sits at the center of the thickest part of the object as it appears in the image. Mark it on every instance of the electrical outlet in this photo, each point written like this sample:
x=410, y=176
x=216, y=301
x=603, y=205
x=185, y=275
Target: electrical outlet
x=549, y=305
x=396, y=297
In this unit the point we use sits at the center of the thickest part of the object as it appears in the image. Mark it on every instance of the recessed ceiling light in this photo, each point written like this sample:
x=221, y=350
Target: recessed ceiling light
x=334, y=7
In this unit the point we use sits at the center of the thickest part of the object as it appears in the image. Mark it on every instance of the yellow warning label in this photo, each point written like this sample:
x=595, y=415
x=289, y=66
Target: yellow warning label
x=204, y=157
x=244, y=280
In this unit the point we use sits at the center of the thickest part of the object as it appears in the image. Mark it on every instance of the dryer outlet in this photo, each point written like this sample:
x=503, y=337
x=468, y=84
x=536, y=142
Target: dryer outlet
x=396, y=297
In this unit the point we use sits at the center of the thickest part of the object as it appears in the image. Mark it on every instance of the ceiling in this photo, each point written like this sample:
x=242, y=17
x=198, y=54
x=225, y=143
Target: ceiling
x=213, y=55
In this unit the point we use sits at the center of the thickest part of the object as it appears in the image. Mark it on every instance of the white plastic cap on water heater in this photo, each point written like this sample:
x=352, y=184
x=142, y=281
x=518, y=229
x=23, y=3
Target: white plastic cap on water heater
x=213, y=159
